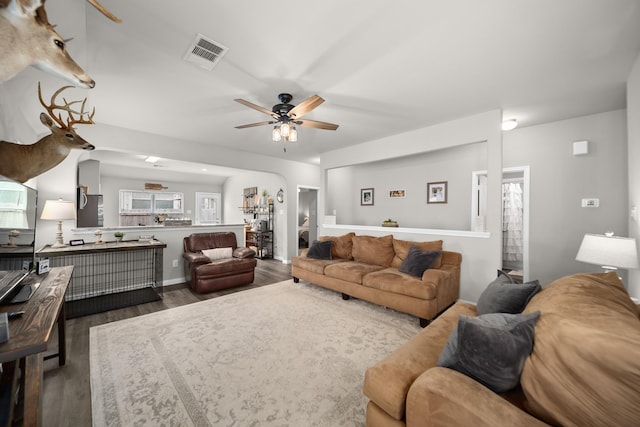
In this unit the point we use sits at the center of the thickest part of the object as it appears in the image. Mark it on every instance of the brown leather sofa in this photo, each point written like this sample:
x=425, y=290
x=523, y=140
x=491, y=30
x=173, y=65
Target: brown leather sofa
x=206, y=275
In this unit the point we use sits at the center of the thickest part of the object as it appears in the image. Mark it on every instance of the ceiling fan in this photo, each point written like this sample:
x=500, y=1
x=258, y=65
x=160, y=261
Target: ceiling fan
x=286, y=116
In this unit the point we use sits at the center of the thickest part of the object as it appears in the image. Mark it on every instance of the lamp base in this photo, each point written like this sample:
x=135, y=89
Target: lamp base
x=58, y=245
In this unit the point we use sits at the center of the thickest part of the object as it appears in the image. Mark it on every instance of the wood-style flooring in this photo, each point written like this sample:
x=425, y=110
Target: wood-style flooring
x=67, y=389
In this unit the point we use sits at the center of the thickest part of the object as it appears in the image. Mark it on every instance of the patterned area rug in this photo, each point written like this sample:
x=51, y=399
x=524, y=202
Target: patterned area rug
x=279, y=355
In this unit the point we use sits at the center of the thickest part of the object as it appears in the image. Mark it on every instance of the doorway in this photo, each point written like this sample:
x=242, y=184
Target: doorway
x=307, y=216
x=515, y=217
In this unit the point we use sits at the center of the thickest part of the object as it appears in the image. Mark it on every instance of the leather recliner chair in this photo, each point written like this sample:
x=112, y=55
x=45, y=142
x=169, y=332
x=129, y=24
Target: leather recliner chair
x=204, y=275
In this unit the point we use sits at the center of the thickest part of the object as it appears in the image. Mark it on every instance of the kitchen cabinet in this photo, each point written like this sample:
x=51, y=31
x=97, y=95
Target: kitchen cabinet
x=134, y=202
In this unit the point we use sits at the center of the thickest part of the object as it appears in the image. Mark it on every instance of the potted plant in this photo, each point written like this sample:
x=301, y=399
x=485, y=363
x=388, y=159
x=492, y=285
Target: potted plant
x=264, y=196
x=389, y=223
x=118, y=235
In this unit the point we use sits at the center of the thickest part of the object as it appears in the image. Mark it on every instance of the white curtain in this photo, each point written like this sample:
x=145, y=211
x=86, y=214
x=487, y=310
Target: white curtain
x=512, y=224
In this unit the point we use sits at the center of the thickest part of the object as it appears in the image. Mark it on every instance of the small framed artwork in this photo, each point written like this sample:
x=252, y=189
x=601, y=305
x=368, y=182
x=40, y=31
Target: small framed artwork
x=437, y=192
x=397, y=194
x=366, y=197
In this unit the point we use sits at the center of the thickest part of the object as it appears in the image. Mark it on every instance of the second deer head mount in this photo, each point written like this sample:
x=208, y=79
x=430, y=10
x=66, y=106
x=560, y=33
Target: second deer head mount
x=23, y=162
x=29, y=39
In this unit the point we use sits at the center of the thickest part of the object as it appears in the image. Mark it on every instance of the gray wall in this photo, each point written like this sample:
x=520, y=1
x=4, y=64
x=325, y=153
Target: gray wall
x=633, y=126
x=559, y=180
x=412, y=174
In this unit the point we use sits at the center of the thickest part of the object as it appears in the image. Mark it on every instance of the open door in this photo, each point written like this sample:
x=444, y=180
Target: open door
x=515, y=217
x=307, y=216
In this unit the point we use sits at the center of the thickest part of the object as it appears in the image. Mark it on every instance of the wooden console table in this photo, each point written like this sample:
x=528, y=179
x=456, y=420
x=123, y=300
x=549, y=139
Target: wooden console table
x=28, y=338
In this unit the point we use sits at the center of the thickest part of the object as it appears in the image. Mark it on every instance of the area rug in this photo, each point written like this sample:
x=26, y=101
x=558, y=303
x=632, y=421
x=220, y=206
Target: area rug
x=280, y=355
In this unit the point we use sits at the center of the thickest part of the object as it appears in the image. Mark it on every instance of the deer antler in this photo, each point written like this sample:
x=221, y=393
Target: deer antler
x=104, y=11
x=71, y=120
x=41, y=14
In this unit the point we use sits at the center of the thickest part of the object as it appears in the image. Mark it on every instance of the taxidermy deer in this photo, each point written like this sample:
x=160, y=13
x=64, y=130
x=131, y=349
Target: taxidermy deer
x=23, y=162
x=29, y=39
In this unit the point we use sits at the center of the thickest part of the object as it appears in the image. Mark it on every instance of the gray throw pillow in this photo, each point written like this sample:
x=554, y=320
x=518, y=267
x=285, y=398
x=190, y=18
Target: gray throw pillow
x=417, y=261
x=320, y=250
x=503, y=296
x=491, y=348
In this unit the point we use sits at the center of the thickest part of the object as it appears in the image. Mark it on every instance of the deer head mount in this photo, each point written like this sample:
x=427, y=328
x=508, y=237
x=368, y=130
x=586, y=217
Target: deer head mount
x=29, y=39
x=23, y=162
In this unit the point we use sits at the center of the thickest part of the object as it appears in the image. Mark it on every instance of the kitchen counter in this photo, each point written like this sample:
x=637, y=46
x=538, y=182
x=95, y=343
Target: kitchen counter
x=144, y=228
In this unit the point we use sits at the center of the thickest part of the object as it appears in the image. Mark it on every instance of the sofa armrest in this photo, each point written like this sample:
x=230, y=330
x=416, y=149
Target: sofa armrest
x=444, y=397
x=196, y=258
x=435, y=275
x=244, y=253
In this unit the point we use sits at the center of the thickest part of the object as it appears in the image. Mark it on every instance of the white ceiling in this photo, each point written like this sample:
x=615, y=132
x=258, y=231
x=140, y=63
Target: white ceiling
x=383, y=68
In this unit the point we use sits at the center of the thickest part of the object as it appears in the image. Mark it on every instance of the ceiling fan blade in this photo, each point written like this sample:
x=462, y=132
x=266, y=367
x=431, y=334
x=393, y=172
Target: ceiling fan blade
x=256, y=107
x=305, y=106
x=255, y=124
x=316, y=124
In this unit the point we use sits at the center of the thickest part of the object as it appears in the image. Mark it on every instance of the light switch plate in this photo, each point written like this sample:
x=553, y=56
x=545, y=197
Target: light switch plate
x=590, y=203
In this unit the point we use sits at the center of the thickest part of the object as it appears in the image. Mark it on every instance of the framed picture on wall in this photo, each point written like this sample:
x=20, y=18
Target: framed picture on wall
x=397, y=194
x=437, y=192
x=366, y=197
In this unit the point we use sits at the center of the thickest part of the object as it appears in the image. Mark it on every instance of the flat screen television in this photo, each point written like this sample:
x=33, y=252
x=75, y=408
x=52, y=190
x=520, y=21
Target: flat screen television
x=18, y=215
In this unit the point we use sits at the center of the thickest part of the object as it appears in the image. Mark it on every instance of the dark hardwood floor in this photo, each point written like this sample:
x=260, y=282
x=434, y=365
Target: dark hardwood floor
x=67, y=389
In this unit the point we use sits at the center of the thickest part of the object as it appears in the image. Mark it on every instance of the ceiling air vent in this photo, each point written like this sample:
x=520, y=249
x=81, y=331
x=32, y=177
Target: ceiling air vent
x=205, y=52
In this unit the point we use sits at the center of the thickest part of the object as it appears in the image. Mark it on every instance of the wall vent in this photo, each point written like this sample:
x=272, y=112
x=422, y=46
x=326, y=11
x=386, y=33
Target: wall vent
x=205, y=52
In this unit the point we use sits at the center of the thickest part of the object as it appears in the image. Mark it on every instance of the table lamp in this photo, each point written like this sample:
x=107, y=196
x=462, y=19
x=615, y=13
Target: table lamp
x=609, y=251
x=58, y=210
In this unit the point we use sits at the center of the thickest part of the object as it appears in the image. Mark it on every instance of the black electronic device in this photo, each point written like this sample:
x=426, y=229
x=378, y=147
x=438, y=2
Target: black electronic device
x=18, y=216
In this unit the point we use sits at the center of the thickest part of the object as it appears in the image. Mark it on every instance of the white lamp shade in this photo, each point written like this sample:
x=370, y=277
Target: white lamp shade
x=58, y=210
x=608, y=251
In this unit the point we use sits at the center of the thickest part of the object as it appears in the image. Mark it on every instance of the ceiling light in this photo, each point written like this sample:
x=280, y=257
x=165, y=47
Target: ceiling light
x=276, y=135
x=151, y=159
x=284, y=129
x=293, y=135
x=509, y=124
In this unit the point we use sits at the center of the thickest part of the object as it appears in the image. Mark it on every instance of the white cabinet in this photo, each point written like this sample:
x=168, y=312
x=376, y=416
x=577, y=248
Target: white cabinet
x=148, y=202
x=168, y=203
x=135, y=202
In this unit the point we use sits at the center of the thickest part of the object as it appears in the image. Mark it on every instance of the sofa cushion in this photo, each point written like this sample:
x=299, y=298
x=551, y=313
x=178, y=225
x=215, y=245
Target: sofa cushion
x=491, y=348
x=314, y=265
x=401, y=250
x=392, y=280
x=373, y=250
x=417, y=261
x=351, y=271
x=387, y=382
x=504, y=296
x=320, y=250
x=585, y=364
x=342, y=245
x=218, y=253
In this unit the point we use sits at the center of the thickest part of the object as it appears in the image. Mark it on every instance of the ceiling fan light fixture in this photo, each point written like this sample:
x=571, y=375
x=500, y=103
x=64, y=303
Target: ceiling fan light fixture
x=293, y=135
x=276, y=135
x=285, y=129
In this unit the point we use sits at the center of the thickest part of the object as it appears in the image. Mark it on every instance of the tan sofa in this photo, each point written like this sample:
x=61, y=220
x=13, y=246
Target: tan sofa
x=584, y=369
x=366, y=267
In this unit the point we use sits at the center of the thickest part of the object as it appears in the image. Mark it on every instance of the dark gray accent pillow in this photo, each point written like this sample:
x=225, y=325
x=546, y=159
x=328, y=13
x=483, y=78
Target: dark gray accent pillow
x=320, y=250
x=503, y=296
x=417, y=261
x=491, y=348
